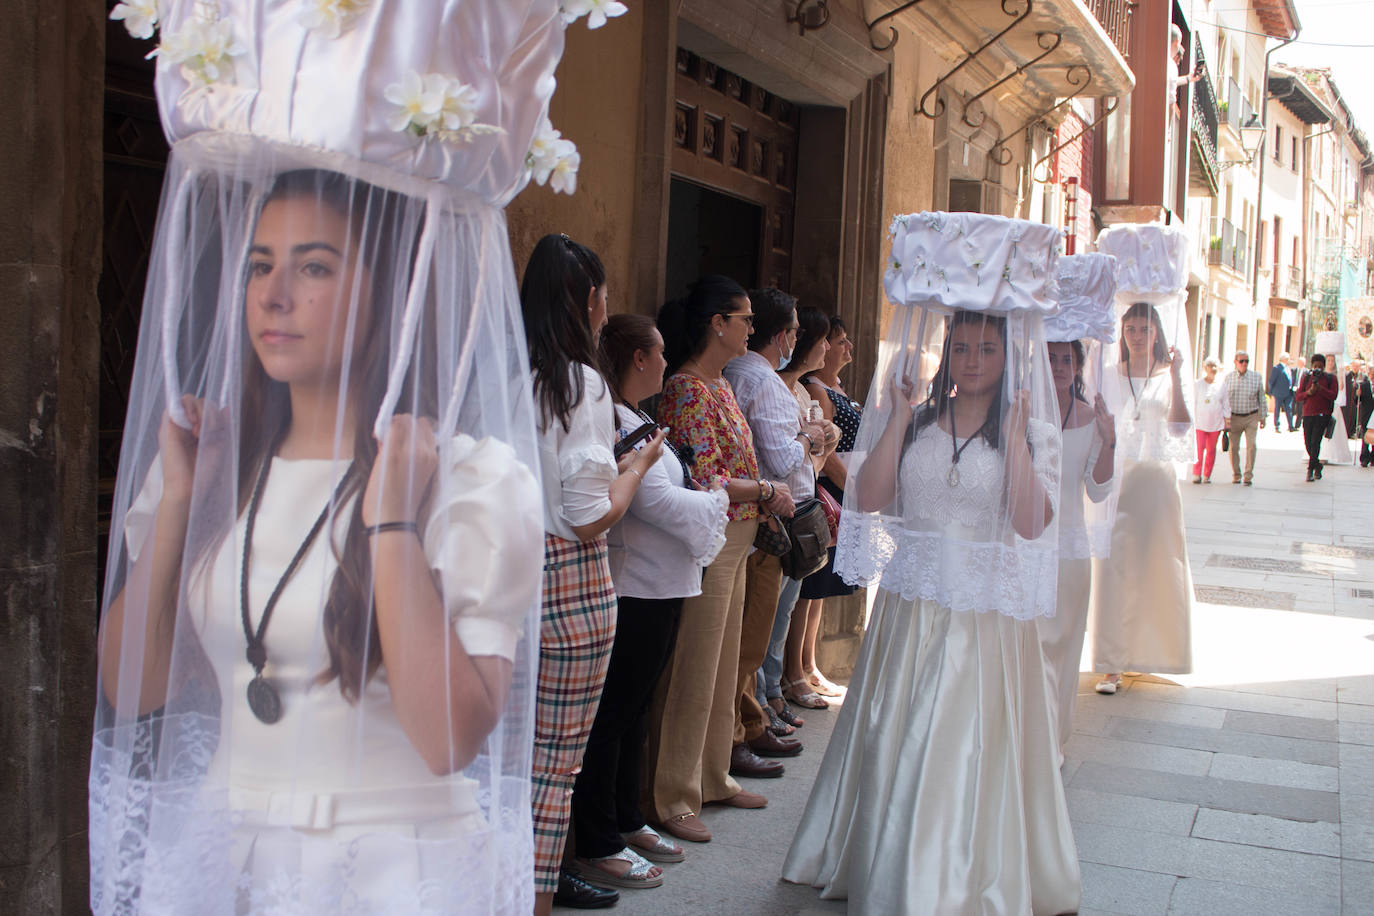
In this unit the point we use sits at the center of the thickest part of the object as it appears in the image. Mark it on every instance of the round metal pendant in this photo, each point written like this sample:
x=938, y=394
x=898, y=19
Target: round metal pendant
x=264, y=700
x=952, y=478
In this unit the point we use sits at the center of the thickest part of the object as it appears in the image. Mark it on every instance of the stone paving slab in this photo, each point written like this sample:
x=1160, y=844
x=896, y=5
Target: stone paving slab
x=1246, y=787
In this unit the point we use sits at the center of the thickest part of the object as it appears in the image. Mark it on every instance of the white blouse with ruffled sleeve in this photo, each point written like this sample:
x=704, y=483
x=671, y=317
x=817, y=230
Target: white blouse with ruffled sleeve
x=578, y=463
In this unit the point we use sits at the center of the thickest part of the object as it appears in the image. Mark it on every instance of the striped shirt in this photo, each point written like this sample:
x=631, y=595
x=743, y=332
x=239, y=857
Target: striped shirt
x=1244, y=392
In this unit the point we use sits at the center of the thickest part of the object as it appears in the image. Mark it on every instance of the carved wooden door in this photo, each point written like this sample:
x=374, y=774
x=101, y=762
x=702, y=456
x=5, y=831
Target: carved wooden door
x=737, y=138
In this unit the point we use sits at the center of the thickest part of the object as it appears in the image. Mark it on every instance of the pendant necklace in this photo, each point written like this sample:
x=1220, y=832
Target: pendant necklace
x=263, y=698
x=1130, y=380
x=952, y=477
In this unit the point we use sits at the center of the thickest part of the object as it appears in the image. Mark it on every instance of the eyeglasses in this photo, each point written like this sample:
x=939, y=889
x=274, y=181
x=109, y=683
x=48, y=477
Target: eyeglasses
x=747, y=316
x=1242, y=362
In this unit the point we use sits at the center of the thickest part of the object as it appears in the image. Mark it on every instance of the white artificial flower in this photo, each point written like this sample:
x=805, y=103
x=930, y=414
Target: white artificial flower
x=459, y=107
x=436, y=106
x=330, y=17
x=596, y=11
x=204, y=50
x=543, y=155
x=419, y=100
x=139, y=16
x=564, y=177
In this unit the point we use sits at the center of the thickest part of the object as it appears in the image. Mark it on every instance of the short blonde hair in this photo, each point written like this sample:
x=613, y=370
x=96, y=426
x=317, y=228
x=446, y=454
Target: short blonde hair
x=1211, y=361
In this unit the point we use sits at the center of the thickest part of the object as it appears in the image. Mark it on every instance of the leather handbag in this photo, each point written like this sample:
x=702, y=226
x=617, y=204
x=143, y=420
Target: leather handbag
x=1330, y=425
x=810, y=536
x=1225, y=440
x=832, y=512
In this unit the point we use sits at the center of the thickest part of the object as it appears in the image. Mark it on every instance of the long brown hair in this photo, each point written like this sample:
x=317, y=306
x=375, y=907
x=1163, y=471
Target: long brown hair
x=623, y=336
x=349, y=620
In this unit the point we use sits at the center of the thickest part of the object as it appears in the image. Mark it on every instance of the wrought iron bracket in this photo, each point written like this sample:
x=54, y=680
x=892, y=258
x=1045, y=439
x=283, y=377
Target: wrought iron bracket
x=1060, y=144
x=1080, y=76
x=892, y=40
x=1054, y=39
x=817, y=16
x=1009, y=8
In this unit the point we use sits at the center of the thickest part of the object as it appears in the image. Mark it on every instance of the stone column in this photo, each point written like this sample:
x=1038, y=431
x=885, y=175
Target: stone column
x=52, y=62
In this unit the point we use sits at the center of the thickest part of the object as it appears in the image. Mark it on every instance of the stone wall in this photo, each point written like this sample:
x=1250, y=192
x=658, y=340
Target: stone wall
x=52, y=63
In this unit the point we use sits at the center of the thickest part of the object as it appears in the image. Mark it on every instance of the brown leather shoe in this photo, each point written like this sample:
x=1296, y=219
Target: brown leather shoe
x=770, y=745
x=687, y=827
x=743, y=799
x=744, y=762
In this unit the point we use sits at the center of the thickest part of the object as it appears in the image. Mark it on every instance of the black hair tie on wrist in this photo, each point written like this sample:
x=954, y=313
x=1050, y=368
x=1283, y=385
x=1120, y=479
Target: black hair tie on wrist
x=370, y=530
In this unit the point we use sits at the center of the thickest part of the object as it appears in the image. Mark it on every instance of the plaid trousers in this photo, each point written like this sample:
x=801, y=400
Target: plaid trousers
x=577, y=629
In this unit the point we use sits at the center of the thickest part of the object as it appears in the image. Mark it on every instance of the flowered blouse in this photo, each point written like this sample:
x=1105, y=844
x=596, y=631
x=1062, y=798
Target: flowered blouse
x=704, y=418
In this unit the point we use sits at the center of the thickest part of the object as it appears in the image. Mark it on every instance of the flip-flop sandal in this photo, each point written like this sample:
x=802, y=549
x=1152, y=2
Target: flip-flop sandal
x=808, y=699
x=652, y=845
x=637, y=875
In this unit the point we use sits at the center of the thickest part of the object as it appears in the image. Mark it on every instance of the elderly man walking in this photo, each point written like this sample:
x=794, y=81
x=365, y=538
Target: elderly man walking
x=1244, y=397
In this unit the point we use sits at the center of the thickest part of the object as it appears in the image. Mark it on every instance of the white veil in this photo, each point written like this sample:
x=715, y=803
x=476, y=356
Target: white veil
x=976, y=532
x=1087, y=316
x=1152, y=277
x=334, y=713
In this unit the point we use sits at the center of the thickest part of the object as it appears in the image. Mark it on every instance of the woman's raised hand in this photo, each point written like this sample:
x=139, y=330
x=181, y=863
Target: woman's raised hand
x=1018, y=417
x=179, y=447
x=1106, y=423
x=407, y=457
x=1175, y=361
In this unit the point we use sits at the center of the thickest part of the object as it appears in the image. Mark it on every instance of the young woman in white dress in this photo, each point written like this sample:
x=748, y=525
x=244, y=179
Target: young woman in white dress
x=1143, y=591
x=1089, y=437
x=940, y=790
x=317, y=627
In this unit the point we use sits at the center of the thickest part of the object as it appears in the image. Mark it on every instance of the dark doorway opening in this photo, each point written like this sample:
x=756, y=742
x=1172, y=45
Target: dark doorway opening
x=710, y=233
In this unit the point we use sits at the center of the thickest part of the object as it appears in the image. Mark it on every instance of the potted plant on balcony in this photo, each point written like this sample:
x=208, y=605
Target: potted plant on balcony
x=1214, y=250
x=1223, y=106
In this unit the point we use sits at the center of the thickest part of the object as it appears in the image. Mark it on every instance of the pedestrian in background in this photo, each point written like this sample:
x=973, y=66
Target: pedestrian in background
x=1245, y=400
x=1283, y=379
x=1317, y=394
x=1210, y=413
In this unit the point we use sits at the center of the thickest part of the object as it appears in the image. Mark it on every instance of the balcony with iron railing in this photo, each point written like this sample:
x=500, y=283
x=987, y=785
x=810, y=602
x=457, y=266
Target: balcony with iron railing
x=1228, y=246
x=1115, y=17
x=1236, y=110
x=1203, y=119
x=1287, y=283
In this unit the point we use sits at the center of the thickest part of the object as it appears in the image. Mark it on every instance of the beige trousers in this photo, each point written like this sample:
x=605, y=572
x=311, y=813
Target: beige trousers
x=762, y=586
x=1247, y=426
x=691, y=727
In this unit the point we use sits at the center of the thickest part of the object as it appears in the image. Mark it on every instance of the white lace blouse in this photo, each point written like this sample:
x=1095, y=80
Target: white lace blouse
x=669, y=533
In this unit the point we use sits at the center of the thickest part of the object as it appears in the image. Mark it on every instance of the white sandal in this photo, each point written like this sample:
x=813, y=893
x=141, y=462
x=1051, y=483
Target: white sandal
x=651, y=844
x=637, y=875
x=1107, y=686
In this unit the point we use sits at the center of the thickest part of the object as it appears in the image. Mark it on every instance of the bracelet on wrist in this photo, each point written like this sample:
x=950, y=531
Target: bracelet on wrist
x=635, y=471
x=384, y=527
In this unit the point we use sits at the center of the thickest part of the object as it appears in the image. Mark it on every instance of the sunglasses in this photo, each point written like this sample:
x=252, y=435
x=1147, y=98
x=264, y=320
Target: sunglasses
x=1242, y=361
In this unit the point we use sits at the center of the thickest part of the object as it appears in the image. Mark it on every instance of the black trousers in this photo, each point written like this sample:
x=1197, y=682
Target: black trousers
x=606, y=796
x=1313, y=431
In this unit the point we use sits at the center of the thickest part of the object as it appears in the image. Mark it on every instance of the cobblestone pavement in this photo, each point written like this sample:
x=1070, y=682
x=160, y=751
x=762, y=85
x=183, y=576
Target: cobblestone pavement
x=1244, y=788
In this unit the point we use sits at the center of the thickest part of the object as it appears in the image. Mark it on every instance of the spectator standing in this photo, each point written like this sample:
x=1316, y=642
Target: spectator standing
x=586, y=491
x=784, y=446
x=1281, y=384
x=1317, y=394
x=657, y=551
x=1246, y=408
x=693, y=718
x=1209, y=416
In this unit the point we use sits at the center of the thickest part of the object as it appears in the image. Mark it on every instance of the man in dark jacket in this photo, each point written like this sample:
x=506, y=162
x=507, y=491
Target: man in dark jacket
x=1317, y=394
x=1280, y=385
x=1364, y=409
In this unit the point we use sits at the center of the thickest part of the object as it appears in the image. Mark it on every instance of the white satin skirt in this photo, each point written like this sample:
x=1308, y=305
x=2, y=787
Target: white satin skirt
x=1142, y=594
x=940, y=790
x=1061, y=636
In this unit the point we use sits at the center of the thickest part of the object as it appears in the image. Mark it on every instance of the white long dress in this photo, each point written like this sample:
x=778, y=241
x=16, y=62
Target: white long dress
x=1142, y=593
x=940, y=789
x=319, y=797
x=1062, y=635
